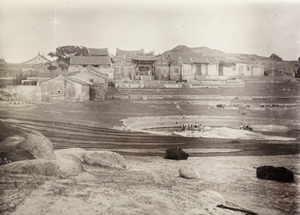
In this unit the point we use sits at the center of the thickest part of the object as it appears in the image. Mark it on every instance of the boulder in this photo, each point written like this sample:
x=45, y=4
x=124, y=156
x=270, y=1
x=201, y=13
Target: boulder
x=176, y=153
x=21, y=144
x=280, y=174
x=189, y=172
x=62, y=167
x=104, y=159
x=76, y=153
x=93, y=158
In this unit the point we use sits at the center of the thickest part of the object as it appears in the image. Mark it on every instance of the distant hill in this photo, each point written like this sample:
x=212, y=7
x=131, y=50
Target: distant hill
x=184, y=51
x=275, y=57
x=273, y=64
x=205, y=51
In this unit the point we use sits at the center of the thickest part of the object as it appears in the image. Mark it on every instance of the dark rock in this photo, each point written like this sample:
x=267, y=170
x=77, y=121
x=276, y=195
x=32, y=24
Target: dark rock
x=176, y=153
x=280, y=174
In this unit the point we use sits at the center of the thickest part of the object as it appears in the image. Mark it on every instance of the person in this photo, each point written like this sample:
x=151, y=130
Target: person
x=201, y=127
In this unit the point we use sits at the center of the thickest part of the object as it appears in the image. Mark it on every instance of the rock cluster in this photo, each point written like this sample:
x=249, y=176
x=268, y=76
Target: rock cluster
x=29, y=152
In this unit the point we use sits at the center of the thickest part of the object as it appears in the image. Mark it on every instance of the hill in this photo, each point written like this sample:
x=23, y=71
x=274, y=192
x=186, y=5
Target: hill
x=205, y=51
x=275, y=57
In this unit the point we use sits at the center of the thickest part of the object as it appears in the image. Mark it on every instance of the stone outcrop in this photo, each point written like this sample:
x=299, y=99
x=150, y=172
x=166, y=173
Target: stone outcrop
x=22, y=144
x=94, y=158
x=176, y=153
x=63, y=167
x=68, y=162
x=29, y=152
x=280, y=174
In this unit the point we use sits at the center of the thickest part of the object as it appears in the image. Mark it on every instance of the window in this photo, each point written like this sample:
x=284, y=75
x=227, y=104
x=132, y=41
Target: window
x=92, y=80
x=248, y=68
x=176, y=70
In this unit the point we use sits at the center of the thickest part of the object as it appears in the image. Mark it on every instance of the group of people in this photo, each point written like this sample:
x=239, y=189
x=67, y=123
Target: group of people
x=192, y=127
x=246, y=127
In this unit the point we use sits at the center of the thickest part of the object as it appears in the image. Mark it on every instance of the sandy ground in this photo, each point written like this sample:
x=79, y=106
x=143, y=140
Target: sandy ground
x=151, y=185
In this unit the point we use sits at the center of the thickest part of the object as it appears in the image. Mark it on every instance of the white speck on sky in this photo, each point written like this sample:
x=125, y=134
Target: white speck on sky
x=251, y=27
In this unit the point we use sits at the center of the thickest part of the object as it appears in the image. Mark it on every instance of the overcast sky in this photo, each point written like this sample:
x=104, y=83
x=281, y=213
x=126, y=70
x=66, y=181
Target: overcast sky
x=252, y=27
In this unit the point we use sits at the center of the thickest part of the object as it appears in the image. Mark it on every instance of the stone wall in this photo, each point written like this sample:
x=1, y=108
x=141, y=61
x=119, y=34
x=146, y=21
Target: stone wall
x=23, y=92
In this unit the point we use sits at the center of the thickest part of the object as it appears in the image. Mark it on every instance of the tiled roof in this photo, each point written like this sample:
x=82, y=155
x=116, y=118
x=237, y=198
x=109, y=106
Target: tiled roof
x=118, y=59
x=98, y=52
x=37, y=60
x=184, y=60
x=96, y=72
x=226, y=64
x=77, y=80
x=129, y=53
x=200, y=60
x=144, y=58
x=75, y=60
x=212, y=60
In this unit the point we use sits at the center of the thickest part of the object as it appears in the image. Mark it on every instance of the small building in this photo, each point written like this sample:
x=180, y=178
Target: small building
x=162, y=69
x=257, y=70
x=39, y=59
x=240, y=69
x=123, y=69
x=228, y=69
x=128, y=55
x=98, y=52
x=186, y=67
x=65, y=89
x=133, y=65
x=29, y=81
x=144, y=67
x=93, y=76
x=77, y=63
x=4, y=81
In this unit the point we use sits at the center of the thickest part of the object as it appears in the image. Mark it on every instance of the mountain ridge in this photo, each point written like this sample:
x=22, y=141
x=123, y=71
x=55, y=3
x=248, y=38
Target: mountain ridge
x=183, y=50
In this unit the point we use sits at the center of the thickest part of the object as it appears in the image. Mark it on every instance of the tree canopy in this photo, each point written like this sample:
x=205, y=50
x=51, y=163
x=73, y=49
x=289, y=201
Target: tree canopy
x=64, y=53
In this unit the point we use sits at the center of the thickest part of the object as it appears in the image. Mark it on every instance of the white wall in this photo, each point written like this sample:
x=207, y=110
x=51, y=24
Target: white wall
x=212, y=69
x=257, y=71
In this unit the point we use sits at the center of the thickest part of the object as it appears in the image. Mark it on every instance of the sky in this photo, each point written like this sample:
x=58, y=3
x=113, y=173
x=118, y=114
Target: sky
x=262, y=27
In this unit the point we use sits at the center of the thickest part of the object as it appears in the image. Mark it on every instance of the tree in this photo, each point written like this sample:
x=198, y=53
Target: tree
x=64, y=53
x=51, y=67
